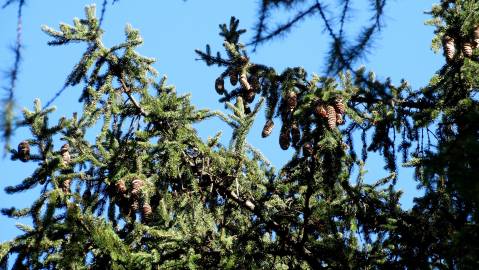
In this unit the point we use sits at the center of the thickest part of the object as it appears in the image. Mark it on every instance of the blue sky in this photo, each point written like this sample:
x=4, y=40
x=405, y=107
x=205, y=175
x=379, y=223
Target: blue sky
x=171, y=31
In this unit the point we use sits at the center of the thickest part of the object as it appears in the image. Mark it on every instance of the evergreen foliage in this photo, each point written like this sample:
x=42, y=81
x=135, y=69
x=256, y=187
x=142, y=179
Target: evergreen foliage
x=148, y=193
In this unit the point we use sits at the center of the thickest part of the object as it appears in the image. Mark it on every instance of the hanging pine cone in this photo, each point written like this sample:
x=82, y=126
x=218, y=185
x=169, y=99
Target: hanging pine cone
x=284, y=137
x=339, y=105
x=136, y=187
x=295, y=134
x=267, y=129
x=320, y=110
x=66, y=186
x=65, y=154
x=476, y=36
x=121, y=187
x=307, y=149
x=339, y=119
x=220, y=85
x=331, y=116
x=233, y=77
x=24, y=151
x=291, y=100
x=146, y=211
x=467, y=49
x=244, y=82
x=449, y=48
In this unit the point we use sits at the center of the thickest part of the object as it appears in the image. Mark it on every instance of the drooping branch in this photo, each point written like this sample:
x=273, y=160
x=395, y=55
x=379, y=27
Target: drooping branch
x=6, y=122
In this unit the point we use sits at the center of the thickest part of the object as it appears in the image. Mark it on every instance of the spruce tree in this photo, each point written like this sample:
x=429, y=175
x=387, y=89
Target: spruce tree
x=148, y=193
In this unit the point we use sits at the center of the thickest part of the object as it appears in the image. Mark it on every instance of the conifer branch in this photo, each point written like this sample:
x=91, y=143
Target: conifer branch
x=127, y=90
x=8, y=115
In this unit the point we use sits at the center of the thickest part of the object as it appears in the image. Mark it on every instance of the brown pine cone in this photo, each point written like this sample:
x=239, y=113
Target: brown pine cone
x=339, y=105
x=291, y=100
x=476, y=36
x=331, y=117
x=339, y=119
x=307, y=149
x=233, y=77
x=320, y=110
x=295, y=134
x=66, y=186
x=220, y=85
x=449, y=48
x=65, y=154
x=284, y=137
x=146, y=210
x=121, y=187
x=244, y=82
x=24, y=151
x=136, y=187
x=267, y=129
x=467, y=49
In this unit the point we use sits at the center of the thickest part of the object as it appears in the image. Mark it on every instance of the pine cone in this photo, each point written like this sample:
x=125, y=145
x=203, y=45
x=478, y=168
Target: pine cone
x=233, y=77
x=307, y=149
x=339, y=105
x=320, y=110
x=146, y=210
x=65, y=154
x=467, y=49
x=267, y=129
x=24, y=151
x=291, y=100
x=121, y=187
x=136, y=187
x=66, y=186
x=476, y=36
x=244, y=82
x=284, y=137
x=295, y=134
x=220, y=85
x=331, y=116
x=449, y=48
x=339, y=119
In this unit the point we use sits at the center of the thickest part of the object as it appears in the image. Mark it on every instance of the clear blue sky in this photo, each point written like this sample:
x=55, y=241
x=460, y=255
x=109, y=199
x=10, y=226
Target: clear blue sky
x=171, y=31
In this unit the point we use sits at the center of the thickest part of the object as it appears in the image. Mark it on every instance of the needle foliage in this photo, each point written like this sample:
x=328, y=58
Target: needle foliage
x=148, y=193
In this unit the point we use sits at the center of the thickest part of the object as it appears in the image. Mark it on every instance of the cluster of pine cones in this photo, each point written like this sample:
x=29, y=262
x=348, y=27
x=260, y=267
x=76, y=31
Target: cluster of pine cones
x=249, y=85
x=451, y=45
x=130, y=199
x=290, y=132
x=333, y=113
x=23, y=153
